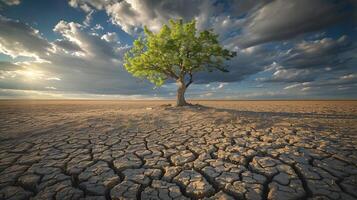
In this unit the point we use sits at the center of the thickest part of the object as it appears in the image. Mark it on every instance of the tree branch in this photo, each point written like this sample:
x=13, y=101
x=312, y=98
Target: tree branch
x=171, y=74
x=190, y=80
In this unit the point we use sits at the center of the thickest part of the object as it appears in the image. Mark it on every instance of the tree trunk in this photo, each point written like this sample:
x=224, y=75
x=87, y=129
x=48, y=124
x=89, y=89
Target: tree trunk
x=180, y=98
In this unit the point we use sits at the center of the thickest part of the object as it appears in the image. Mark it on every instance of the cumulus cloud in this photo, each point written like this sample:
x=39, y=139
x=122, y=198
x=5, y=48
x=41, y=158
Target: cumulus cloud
x=132, y=15
x=92, y=45
x=89, y=5
x=19, y=39
x=110, y=37
x=259, y=21
x=78, y=62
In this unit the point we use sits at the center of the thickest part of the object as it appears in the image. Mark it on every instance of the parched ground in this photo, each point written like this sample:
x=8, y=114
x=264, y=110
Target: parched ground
x=148, y=150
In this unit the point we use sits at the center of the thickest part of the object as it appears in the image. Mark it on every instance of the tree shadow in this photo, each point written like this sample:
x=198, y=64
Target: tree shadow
x=261, y=119
x=198, y=107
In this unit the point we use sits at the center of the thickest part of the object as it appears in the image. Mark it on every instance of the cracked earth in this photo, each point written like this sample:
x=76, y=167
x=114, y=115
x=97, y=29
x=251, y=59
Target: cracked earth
x=146, y=150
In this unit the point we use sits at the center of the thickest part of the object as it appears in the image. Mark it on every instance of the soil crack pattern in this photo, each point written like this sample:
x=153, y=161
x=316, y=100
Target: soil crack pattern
x=114, y=151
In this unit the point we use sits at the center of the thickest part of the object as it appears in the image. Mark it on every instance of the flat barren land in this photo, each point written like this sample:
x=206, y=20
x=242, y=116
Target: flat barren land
x=149, y=150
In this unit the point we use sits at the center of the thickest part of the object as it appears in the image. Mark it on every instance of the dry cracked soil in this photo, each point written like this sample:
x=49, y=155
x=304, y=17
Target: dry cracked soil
x=149, y=150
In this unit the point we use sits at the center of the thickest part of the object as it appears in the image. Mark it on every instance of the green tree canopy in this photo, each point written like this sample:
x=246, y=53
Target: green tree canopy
x=176, y=52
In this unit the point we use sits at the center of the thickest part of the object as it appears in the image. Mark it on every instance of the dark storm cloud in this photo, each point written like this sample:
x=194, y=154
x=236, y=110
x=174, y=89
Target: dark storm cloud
x=248, y=61
x=323, y=53
x=284, y=19
x=241, y=8
x=315, y=60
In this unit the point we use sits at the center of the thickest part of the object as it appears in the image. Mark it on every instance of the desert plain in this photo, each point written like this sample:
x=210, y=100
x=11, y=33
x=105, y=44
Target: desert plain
x=77, y=149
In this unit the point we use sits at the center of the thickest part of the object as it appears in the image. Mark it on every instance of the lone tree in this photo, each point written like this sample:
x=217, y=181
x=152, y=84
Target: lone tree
x=176, y=52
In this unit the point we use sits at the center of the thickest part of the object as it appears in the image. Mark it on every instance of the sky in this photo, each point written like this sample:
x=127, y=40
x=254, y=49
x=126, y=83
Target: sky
x=286, y=49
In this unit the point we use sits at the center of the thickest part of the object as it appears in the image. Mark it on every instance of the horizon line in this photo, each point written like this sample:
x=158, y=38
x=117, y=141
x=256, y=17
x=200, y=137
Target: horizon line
x=93, y=99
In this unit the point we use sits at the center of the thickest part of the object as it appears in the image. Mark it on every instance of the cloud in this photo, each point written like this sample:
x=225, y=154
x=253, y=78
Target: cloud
x=132, y=15
x=98, y=27
x=50, y=93
x=296, y=85
x=284, y=19
x=248, y=61
x=25, y=75
x=348, y=79
x=110, y=37
x=87, y=60
x=92, y=45
x=242, y=8
x=326, y=52
x=292, y=75
x=19, y=39
x=11, y=2
x=225, y=25
x=313, y=61
x=338, y=85
x=67, y=45
x=89, y=5
x=50, y=88
x=88, y=18
x=78, y=62
x=8, y=66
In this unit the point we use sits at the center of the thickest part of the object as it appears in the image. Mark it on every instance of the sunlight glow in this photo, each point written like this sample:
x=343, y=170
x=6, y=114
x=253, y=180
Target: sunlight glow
x=30, y=74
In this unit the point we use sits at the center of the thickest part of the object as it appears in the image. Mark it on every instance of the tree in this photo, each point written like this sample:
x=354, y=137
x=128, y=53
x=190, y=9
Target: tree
x=176, y=52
